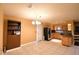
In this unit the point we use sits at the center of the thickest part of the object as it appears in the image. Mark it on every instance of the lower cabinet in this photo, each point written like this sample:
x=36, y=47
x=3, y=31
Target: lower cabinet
x=13, y=41
x=67, y=41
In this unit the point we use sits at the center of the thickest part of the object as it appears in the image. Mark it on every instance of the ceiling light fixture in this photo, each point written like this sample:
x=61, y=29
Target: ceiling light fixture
x=30, y=5
x=36, y=21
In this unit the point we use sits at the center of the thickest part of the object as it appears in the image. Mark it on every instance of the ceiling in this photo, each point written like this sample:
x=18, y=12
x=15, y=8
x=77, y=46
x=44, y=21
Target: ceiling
x=48, y=12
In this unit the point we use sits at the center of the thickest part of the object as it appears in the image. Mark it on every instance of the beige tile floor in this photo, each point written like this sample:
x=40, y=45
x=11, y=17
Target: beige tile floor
x=44, y=48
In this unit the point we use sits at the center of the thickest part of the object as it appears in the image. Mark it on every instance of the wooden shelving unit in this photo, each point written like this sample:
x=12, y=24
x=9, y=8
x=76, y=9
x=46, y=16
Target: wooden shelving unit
x=76, y=33
x=12, y=33
x=13, y=27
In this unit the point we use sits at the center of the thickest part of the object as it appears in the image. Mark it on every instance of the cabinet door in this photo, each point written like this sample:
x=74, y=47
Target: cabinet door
x=67, y=41
x=13, y=41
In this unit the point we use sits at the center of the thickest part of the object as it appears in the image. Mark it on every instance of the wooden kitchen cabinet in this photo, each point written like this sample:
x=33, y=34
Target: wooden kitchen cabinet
x=56, y=35
x=13, y=41
x=67, y=41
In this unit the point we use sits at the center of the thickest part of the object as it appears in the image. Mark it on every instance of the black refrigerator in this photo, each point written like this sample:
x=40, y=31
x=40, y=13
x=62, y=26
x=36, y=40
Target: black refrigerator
x=47, y=33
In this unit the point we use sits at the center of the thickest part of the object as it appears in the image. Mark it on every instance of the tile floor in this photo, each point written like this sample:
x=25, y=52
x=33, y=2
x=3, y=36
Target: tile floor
x=44, y=48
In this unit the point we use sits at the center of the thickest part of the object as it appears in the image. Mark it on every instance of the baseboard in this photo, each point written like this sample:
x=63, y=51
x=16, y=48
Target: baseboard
x=20, y=46
x=28, y=43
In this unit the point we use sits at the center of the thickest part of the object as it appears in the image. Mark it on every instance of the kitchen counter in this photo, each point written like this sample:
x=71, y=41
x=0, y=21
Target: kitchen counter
x=67, y=39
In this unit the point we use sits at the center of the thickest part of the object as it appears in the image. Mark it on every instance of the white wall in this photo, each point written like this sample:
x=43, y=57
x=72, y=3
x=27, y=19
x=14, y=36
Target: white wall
x=39, y=32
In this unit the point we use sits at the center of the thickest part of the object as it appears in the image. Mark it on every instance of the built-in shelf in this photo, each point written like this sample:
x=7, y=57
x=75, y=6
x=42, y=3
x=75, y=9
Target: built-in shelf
x=76, y=32
x=13, y=27
x=76, y=35
x=13, y=34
